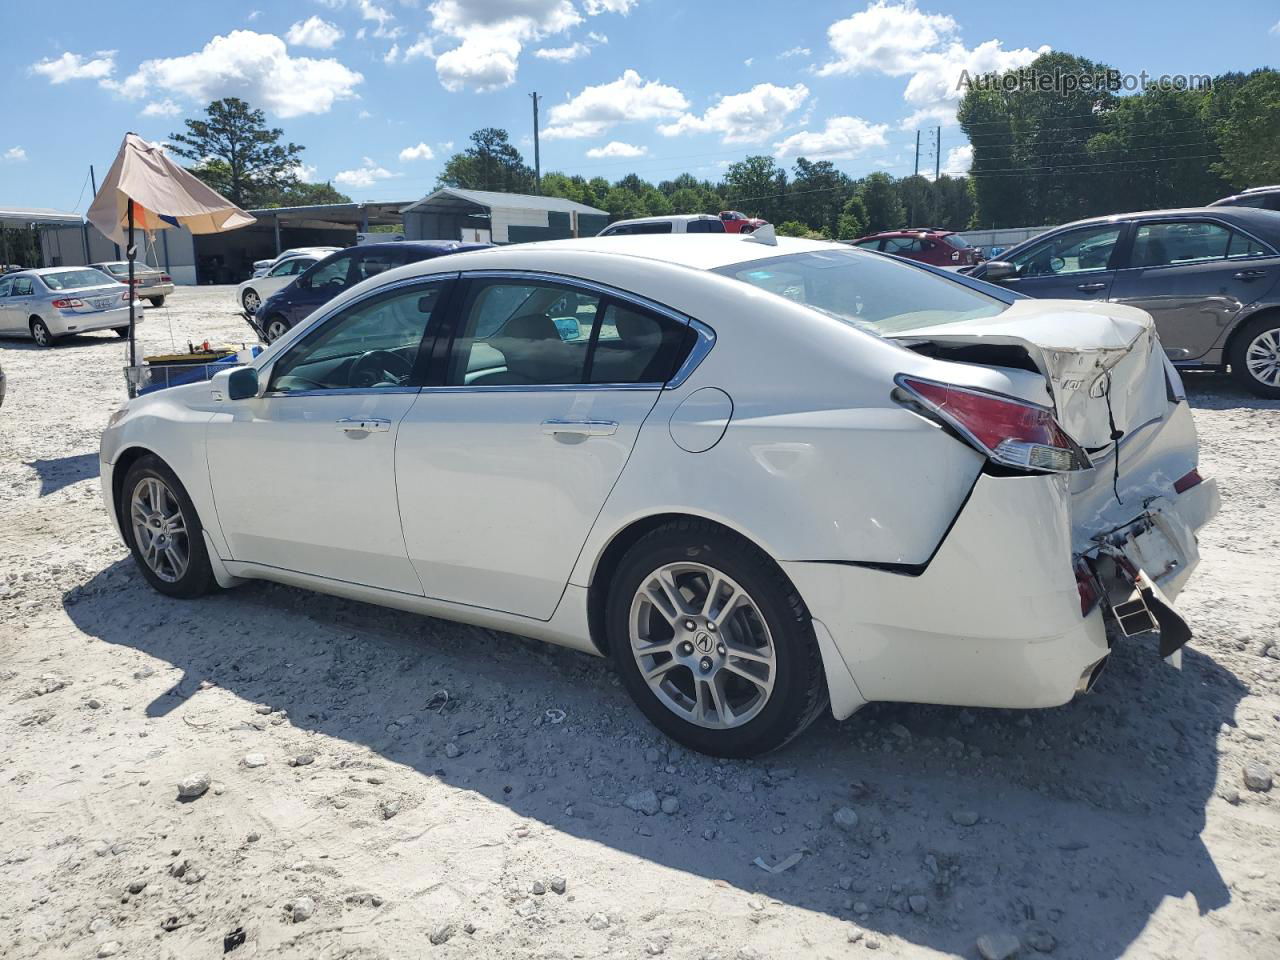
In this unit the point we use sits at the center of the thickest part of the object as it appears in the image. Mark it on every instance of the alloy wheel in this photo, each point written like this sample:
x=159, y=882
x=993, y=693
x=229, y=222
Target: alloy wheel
x=159, y=529
x=1262, y=357
x=702, y=645
x=40, y=333
x=275, y=330
x=251, y=301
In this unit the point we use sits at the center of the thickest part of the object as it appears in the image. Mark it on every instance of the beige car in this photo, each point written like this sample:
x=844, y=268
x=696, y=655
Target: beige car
x=149, y=283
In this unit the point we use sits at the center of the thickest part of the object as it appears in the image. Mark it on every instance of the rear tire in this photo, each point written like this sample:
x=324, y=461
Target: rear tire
x=1255, y=356
x=156, y=301
x=701, y=693
x=40, y=333
x=163, y=530
x=250, y=301
x=121, y=332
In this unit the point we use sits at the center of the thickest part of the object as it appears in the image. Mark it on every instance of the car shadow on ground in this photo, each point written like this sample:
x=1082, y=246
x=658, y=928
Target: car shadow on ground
x=95, y=338
x=1220, y=391
x=64, y=471
x=1088, y=816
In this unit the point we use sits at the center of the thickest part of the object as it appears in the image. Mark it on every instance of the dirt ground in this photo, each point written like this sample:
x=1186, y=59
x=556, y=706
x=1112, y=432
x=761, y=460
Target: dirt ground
x=385, y=785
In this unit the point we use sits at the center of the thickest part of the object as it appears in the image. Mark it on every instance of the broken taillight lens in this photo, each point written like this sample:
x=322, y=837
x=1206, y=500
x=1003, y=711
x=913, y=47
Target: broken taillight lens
x=1011, y=432
x=1088, y=587
x=1186, y=482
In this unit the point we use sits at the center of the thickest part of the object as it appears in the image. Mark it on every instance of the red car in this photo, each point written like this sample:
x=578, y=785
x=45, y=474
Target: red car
x=735, y=222
x=941, y=248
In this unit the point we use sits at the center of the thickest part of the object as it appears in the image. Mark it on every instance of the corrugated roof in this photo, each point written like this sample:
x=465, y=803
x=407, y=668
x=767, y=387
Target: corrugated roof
x=508, y=201
x=37, y=214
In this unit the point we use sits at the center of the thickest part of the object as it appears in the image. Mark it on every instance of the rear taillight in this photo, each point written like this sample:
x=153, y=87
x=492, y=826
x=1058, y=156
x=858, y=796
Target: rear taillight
x=1088, y=587
x=165, y=278
x=126, y=295
x=68, y=303
x=955, y=256
x=135, y=281
x=1184, y=483
x=1011, y=432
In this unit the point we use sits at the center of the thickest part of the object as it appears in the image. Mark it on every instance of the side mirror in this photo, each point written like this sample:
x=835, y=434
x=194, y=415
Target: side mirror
x=999, y=270
x=242, y=383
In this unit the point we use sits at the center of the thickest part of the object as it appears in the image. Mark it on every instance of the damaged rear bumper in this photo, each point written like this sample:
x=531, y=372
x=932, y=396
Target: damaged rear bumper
x=995, y=618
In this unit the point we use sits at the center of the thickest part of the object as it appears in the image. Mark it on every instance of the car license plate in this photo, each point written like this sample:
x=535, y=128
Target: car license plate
x=102, y=303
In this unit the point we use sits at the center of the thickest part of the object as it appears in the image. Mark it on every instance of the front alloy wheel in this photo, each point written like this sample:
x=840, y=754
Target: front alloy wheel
x=251, y=301
x=1262, y=358
x=702, y=646
x=163, y=530
x=40, y=333
x=276, y=329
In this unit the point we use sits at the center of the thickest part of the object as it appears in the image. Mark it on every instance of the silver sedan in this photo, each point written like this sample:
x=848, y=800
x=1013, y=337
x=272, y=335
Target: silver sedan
x=53, y=302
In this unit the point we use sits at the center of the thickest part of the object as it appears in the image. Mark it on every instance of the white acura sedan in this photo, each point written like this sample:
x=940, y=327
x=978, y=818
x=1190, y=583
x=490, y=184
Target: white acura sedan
x=761, y=477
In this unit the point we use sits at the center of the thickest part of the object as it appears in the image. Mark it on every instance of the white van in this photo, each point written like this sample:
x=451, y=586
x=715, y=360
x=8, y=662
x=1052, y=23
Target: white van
x=679, y=223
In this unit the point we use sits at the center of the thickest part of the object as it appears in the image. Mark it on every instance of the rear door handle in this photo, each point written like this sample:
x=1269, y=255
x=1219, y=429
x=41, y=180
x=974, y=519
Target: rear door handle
x=363, y=425
x=1249, y=274
x=581, y=428
x=1091, y=287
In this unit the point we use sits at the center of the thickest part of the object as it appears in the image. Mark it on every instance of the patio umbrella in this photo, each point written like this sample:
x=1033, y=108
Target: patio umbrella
x=144, y=188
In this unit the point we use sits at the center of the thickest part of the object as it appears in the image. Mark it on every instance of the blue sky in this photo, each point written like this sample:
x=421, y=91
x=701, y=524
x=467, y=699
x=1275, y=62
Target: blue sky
x=381, y=91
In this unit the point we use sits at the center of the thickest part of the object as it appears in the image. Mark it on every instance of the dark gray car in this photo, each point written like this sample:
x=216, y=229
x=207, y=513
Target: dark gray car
x=1209, y=276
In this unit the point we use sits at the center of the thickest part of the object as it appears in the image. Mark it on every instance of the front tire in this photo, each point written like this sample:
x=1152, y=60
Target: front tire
x=250, y=301
x=713, y=642
x=156, y=301
x=121, y=332
x=163, y=531
x=275, y=328
x=1255, y=356
x=40, y=333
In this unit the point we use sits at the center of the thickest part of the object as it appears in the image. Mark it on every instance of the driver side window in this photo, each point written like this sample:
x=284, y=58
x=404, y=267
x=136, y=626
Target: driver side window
x=1076, y=251
x=371, y=344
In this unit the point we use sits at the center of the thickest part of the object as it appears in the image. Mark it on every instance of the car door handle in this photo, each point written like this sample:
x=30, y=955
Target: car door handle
x=581, y=428
x=1249, y=274
x=363, y=425
x=1091, y=287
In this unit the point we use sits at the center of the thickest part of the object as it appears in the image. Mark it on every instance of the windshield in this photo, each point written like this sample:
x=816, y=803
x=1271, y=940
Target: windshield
x=956, y=241
x=74, y=279
x=868, y=291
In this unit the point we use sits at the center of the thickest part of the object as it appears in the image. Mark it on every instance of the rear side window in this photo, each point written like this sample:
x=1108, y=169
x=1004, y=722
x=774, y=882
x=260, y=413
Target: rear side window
x=517, y=333
x=901, y=245
x=22, y=287
x=1166, y=244
x=705, y=226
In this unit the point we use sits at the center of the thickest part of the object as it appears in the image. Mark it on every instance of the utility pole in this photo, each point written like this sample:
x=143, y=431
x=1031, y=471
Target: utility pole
x=937, y=157
x=537, y=159
x=917, y=173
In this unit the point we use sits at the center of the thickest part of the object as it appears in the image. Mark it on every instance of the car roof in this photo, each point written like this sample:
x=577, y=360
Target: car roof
x=1266, y=218
x=1272, y=187
x=669, y=218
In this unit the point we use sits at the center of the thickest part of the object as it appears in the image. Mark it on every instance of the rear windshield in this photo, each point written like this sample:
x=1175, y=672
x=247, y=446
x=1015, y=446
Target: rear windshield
x=119, y=269
x=74, y=279
x=867, y=290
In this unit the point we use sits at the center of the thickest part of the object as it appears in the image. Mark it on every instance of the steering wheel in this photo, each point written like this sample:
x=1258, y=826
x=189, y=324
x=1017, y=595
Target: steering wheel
x=377, y=366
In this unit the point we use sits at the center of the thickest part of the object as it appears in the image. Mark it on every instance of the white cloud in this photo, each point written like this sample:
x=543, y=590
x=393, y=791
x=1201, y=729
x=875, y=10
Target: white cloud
x=15, y=154
x=366, y=175
x=254, y=66
x=420, y=152
x=749, y=61
x=563, y=54
x=596, y=110
x=253, y=15
x=391, y=54
x=72, y=66
x=597, y=37
x=313, y=32
x=795, y=52
x=305, y=172
x=422, y=47
x=1276, y=28
x=939, y=115
x=842, y=138
x=899, y=40
x=371, y=11
x=748, y=117
x=363, y=115
x=161, y=108
x=616, y=148
x=959, y=160
x=491, y=34
x=597, y=7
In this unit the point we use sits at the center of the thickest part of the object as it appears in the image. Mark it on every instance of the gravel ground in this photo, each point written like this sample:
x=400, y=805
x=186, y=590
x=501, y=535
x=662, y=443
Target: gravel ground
x=384, y=785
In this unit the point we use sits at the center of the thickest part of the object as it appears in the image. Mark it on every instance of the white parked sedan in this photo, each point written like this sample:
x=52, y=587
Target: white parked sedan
x=283, y=272
x=761, y=478
x=49, y=303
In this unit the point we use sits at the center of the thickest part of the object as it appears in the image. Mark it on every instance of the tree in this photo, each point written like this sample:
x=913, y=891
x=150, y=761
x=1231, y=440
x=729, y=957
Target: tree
x=817, y=195
x=237, y=154
x=880, y=200
x=300, y=194
x=490, y=163
x=853, y=220
x=757, y=186
x=1249, y=131
x=919, y=200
